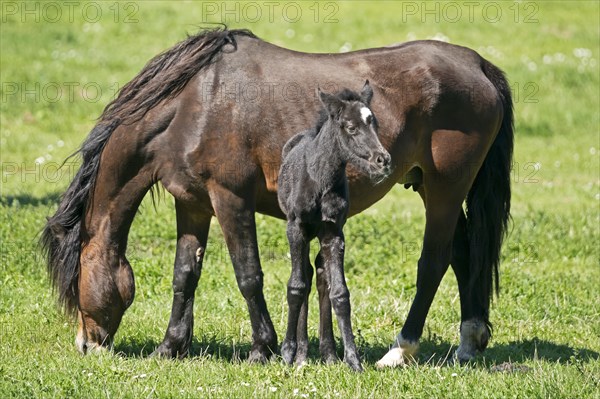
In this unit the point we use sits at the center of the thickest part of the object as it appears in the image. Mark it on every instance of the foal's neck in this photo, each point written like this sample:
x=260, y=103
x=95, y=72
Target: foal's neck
x=326, y=160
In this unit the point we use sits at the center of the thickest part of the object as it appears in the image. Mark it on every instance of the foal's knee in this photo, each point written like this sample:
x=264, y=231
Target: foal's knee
x=296, y=291
x=340, y=298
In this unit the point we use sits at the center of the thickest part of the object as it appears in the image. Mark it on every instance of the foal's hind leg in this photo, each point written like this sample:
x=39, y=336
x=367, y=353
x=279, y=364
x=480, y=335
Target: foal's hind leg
x=236, y=217
x=192, y=233
x=474, y=332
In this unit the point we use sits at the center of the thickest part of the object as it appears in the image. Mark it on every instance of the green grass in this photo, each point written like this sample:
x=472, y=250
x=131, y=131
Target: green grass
x=547, y=318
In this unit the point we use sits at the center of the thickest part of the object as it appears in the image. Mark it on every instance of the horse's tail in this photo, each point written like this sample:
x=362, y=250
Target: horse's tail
x=488, y=201
x=163, y=77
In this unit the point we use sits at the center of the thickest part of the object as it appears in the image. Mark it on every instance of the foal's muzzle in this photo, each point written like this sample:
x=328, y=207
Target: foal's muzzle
x=381, y=162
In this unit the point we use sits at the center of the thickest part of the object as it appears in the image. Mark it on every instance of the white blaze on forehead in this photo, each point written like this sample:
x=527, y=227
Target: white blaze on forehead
x=365, y=113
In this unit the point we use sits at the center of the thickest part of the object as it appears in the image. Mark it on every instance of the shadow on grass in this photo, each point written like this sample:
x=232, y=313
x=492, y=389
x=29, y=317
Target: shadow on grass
x=211, y=347
x=435, y=352
x=431, y=352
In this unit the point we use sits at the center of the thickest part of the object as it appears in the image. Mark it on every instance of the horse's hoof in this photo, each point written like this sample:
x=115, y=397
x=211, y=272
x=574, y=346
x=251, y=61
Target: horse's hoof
x=474, y=336
x=399, y=356
x=288, y=351
x=162, y=353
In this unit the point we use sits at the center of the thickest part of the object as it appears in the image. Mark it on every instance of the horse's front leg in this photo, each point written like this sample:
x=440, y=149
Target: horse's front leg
x=332, y=249
x=235, y=213
x=297, y=287
x=192, y=234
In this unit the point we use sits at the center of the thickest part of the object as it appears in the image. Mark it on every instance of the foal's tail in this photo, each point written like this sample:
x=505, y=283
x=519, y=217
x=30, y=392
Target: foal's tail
x=488, y=202
x=162, y=78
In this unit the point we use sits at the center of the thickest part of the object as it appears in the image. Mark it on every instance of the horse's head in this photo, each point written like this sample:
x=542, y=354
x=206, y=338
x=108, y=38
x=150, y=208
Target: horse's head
x=356, y=128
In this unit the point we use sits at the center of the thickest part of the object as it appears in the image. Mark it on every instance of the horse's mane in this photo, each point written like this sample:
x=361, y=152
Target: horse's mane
x=165, y=75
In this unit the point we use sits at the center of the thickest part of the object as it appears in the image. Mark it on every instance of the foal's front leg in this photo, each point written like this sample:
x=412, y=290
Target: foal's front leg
x=302, y=329
x=297, y=286
x=332, y=249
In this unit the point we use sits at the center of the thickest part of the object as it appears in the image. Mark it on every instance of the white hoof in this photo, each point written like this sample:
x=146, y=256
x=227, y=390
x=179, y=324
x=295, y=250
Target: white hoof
x=399, y=355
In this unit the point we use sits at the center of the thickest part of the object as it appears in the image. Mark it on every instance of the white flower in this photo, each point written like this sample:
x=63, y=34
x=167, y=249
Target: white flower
x=440, y=37
x=346, y=47
x=582, y=52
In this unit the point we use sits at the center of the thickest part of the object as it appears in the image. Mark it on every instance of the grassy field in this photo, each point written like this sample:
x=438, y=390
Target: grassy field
x=62, y=62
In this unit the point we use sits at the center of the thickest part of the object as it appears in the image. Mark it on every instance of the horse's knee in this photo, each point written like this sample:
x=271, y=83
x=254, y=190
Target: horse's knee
x=250, y=285
x=187, y=272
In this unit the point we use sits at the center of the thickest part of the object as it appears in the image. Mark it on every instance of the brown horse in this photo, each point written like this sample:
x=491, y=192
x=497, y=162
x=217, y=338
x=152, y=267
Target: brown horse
x=208, y=119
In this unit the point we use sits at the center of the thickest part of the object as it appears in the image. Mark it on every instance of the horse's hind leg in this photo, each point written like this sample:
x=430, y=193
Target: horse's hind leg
x=235, y=214
x=474, y=332
x=441, y=217
x=326, y=339
x=192, y=232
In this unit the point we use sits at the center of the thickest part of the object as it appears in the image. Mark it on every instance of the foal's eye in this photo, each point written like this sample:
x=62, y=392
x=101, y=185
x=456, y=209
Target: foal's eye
x=351, y=129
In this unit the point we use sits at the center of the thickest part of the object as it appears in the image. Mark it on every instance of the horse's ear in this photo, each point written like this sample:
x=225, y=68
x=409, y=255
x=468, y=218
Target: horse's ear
x=332, y=104
x=367, y=93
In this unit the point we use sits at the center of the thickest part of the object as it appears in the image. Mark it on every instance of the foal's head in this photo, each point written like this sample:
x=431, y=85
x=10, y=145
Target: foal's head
x=356, y=130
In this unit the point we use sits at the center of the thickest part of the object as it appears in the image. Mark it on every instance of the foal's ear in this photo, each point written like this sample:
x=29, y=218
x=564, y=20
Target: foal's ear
x=332, y=104
x=367, y=93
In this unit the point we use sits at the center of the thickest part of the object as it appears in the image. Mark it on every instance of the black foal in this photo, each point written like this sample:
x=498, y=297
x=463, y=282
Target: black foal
x=313, y=193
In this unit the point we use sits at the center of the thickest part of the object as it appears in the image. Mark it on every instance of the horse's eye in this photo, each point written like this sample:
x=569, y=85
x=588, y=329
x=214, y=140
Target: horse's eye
x=351, y=129
x=369, y=119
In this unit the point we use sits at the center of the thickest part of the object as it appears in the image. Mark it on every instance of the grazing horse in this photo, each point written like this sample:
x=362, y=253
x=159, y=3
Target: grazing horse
x=313, y=193
x=208, y=119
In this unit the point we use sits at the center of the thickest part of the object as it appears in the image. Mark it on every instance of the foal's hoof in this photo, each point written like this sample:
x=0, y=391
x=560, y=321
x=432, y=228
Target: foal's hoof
x=288, y=351
x=330, y=358
x=301, y=354
x=354, y=362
